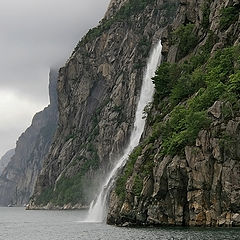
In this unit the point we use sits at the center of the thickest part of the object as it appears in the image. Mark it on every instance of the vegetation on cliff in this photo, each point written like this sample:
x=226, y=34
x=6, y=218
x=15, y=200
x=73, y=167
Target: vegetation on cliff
x=191, y=139
x=198, y=86
x=191, y=88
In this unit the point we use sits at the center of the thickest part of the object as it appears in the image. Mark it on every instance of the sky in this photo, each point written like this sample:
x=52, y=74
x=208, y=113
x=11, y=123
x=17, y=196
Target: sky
x=35, y=35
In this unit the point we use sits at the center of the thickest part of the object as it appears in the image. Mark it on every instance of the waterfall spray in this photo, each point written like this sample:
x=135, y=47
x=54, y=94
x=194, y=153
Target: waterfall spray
x=97, y=211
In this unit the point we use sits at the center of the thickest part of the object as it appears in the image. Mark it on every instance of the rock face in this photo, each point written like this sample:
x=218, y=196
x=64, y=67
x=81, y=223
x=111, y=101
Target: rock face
x=113, y=7
x=18, y=178
x=6, y=159
x=200, y=188
x=98, y=90
x=201, y=185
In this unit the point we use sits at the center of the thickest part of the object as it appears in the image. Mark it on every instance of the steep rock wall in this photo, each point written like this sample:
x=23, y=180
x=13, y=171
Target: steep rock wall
x=169, y=180
x=98, y=90
x=19, y=176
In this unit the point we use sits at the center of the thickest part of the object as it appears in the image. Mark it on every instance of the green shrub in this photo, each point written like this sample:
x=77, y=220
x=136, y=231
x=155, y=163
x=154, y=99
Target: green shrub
x=144, y=46
x=70, y=189
x=234, y=83
x=121, y=181
x=186, y=86
x=205, y=14
x=138, y=185
x=120, y=187
x=165, y=77
x=212, y=39
x=170, y=8
x=200, y=85
x=186, y=38
x=229, y=15
x=179, y=81
x=45, y=196
x=148, y=166
x=182, y=129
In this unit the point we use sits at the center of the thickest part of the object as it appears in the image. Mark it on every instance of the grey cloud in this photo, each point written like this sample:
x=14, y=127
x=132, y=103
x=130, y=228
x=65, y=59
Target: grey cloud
x=37, y=34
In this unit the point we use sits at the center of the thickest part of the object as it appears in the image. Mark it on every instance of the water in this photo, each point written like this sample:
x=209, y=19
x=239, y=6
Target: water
x=18, y=224
x=97, y=212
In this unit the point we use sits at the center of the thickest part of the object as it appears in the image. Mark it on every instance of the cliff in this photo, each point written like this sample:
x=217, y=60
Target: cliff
x=98, y=90
x=19, y=176
x=5, y=159
x=186, y=171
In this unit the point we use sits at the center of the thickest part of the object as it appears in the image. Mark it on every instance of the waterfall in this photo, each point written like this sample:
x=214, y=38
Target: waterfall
x=97, y=211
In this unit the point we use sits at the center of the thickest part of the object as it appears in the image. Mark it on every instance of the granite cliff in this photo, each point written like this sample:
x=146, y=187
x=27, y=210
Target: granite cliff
x=186, y=171
x=98, y=90
x=18, y=178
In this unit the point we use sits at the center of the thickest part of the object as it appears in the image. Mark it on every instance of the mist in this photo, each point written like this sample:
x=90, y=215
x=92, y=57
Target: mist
x=36, y=35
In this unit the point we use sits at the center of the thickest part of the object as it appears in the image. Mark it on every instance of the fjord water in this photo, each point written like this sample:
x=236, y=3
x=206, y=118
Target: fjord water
x=97, y=212
x=19, y=224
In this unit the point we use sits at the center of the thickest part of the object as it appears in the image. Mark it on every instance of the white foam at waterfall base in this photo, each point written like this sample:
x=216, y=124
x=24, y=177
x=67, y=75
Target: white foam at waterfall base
x=98, y=211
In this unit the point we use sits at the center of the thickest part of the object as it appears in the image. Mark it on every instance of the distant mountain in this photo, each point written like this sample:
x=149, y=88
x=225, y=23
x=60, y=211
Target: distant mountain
x=18, y=178
x=5, y=159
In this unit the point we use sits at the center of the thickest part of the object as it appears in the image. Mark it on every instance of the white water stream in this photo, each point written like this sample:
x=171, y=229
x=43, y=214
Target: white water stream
x=97, y=211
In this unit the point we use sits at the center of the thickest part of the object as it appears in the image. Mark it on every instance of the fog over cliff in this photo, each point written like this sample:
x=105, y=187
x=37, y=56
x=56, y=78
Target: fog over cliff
x=34, y=36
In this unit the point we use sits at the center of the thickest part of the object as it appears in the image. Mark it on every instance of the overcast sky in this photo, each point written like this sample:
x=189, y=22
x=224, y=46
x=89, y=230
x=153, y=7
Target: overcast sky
x=34, y=35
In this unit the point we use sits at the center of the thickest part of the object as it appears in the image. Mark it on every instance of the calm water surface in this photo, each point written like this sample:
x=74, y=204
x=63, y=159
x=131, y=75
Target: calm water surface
x=18, y=224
